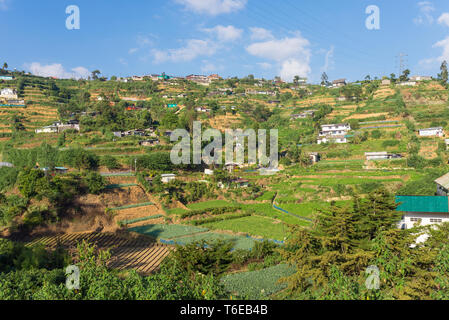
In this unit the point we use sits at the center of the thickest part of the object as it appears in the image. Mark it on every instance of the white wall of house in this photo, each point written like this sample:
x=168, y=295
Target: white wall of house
x=327, y=139
x=409, y=219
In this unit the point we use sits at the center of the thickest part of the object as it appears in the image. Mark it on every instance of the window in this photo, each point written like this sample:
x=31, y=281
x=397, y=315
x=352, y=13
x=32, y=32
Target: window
x=415, y=219
x=436, y=220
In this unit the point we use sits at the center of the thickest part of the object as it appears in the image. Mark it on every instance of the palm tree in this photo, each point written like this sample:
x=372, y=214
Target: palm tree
x=5, y=66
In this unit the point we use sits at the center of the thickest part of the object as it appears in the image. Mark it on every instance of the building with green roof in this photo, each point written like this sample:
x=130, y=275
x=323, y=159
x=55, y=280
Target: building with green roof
x=424, y=210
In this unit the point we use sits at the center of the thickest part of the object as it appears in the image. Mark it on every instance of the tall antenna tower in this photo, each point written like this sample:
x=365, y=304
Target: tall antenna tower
x=401, y=62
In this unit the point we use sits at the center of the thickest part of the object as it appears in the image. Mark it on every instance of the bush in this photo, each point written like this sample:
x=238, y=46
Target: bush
x=110, y=162
x=95, y=182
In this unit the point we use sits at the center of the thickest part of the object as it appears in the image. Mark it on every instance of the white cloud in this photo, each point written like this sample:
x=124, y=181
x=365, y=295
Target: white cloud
x=260, y=34
x=292, y=55
x=133, y=50
x=57, y=70
x=444, y=44
x=193, y=49
x=213, y=7
x=444, y=19
x=225, y=34
x=328, y=60
x=425, y=8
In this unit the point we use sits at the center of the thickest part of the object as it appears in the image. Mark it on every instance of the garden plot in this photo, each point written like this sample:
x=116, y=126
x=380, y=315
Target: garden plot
x=258, y=285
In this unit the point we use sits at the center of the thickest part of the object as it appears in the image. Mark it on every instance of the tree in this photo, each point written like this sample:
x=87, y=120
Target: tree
x=392, y=77
x=5, y=66
x=444, y=75
x=95, y=74
x=404, y=76
x=296, y=80
x=95, y=182
x=31, y=182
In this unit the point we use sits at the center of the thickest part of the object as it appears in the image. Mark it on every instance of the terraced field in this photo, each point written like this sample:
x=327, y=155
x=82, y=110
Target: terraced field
x=127, y=251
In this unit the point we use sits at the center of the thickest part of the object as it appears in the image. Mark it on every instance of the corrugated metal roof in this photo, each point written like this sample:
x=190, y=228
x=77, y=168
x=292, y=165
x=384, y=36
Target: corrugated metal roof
x=443, y=181
x=430, y=204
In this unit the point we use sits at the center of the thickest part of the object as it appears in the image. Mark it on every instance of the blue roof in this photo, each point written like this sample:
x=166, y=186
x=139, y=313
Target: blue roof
x=431, y=204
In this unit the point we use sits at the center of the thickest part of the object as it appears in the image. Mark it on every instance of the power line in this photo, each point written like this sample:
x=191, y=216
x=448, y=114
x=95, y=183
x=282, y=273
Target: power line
x=401, y=62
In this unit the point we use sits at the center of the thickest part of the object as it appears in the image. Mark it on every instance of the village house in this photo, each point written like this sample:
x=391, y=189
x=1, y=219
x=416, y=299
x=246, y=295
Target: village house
x=333, y=133
x=214, y=77
x=47, y=129
x=149, y=143
x=6, y=78
x=231, y=166
x=425, y=210
x=335, y=129
x=241, y=183
x=422, y=211
x=339, y=83
x=386, y=82
x=208, y=172
x=314, y=157
x=199, y=79
x=70, y=125
x=431, y=132
x=202, y=109
x=6, y=164
x=443, y=185
x=255, y=92
x=420, y=78
x=55, y=171
x=166, y=178
x=8, y=93
x=370, y=156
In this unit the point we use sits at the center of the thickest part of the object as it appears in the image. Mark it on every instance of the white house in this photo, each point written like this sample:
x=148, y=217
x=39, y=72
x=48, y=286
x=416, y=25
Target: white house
x=8, y=93
x=381, y=156
x=208, y=172
x=431, y=132
x=420, y=78
x=386, y=82
x=166, y=178
x=339, y=83
x=422, y=210
x=334, y=129
x=48, y=129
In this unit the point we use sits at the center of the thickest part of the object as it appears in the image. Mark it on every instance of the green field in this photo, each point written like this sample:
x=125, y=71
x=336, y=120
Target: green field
x=240, y=242
x=257, y=285
x=167, y=231
x=209, y=205
x=265, y=227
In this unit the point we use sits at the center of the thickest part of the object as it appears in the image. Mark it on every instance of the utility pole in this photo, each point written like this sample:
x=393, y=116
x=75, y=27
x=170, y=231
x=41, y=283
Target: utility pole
x=135, y=165
x=401, y=62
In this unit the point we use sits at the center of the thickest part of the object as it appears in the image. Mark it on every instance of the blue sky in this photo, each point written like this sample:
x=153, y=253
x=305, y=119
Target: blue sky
x=229, y=37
